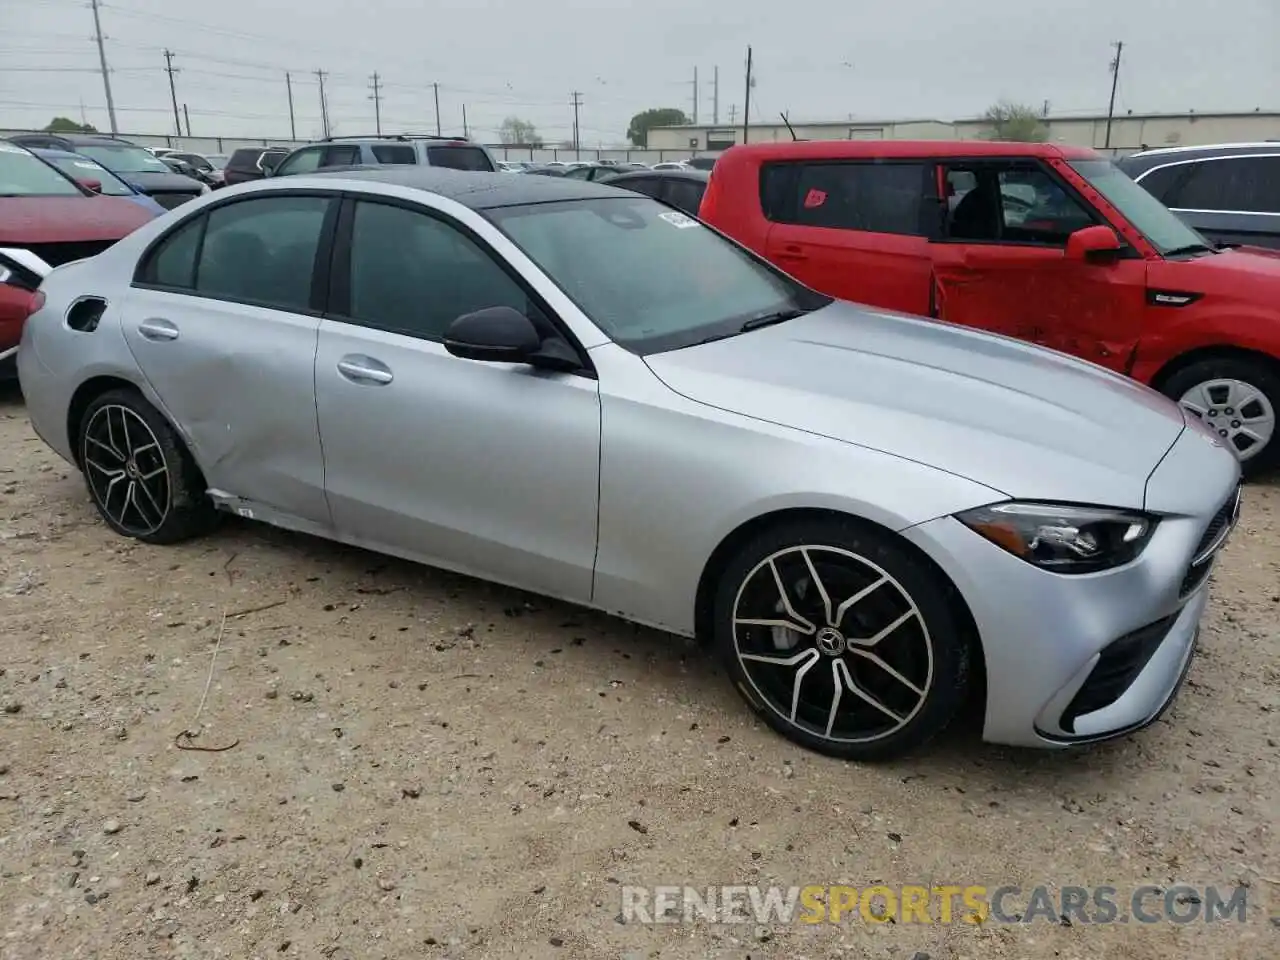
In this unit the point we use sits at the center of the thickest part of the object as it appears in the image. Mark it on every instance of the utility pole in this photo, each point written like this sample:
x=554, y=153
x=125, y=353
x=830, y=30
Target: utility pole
x=288, y=86
x=1115, y=80
x=377, y=104
x=1044, y=111
x=733, y=114
x=577, y=102
x=465, y=133
x=186, y=116
x=324, y=105
x=436, y=88
x=102, y=59
x=695, y=96
x=746, y=111
x=715, y=97
x=173, y=93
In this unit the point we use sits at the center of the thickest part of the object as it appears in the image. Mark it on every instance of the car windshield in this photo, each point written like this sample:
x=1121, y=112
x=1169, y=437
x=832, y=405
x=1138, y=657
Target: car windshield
x=82, y=168
x=1152, y=218
x=651, y=278
x=216, y=160
x=124, y=158
x=24, y=175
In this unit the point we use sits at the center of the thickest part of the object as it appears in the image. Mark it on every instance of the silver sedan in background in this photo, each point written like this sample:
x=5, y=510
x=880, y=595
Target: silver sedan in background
x=581, y=392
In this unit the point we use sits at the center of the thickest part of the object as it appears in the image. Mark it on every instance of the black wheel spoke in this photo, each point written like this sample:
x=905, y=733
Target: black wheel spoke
x=126, y=470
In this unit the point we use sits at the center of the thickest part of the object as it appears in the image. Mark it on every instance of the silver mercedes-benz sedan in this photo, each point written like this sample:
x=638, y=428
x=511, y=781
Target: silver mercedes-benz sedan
x=581, y=392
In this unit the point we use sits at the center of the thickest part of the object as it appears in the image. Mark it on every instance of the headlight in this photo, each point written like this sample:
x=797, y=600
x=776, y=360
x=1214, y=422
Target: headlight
x=1064, y=538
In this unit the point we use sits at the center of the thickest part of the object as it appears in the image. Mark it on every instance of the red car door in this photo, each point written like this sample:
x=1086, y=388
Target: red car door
x=1002, y=263
x=853, y=230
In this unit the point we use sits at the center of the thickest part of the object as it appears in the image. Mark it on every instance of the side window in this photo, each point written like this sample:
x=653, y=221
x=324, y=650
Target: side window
x=304, y=161
x=1248, y=184
x=393, y=153
x=262, y=251
x=172, y=262
x=341, y=156
x=684, y=195
x=414, y=274
x=459, y=158
x=1161, y=182
x=649, y=186
x=1011, y=204
x=875, y=197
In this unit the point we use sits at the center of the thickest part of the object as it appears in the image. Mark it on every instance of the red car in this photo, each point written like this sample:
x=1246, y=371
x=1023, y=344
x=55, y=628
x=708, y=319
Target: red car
x=1045, y=243
x=47, y=213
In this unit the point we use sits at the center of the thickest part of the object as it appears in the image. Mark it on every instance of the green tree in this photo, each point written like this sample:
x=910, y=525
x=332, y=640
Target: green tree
x=517, y=132
x=67, y=125
x=1014, y=121
x=642, y=122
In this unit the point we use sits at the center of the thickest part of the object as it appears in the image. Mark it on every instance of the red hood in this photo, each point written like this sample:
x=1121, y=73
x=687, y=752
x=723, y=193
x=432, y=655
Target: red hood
x=1243, y=273
x=26, y=220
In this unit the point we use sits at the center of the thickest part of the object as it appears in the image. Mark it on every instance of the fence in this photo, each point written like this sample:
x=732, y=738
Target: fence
x=501, y=151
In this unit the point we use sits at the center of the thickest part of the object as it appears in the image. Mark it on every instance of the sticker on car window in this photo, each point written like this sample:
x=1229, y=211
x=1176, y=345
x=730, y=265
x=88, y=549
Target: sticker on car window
x=678, y=220
x=814, y=198
x=85, y=164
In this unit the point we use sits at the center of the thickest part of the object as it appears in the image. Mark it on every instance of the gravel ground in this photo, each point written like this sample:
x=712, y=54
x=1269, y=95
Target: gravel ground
x=400, y=762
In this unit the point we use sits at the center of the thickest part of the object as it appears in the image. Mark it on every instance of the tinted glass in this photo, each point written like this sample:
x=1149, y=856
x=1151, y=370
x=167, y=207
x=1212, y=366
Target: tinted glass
x=876, y=197
x=685, y=194
x=304, y=161
x=459, y=158
x=394, y=153
x=1147, y=214
x=173, y=262
x=414, y=274
x=579, y=173
x=24, y=175
x=124, y=159
x=82, y=168
x=342, y=156
x=1159, y=181
x=650, y=277
x=649, y=186
x=244, y=159
x=262, y=251
x=1249, y=184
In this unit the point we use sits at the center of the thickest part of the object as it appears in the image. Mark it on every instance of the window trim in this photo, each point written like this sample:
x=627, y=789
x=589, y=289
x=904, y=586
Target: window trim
x=338, y=291
x=319, y=268
x=943, y=163
x=926, y=227
x=1191, y=171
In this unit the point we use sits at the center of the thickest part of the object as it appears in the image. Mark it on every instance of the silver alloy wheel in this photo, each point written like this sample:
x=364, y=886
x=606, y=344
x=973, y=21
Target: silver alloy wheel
x=832, y=643
x=1236, y=411
x=126, y=470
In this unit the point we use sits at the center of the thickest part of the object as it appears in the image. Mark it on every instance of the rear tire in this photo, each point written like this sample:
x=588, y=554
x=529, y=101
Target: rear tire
x=141, y=477
x=841, y=638
x=1239, y=398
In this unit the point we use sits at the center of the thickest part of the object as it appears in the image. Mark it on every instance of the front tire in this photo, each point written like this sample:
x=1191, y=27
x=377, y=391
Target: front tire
x=140, y=475
x=841, y=638
x=1238, y=398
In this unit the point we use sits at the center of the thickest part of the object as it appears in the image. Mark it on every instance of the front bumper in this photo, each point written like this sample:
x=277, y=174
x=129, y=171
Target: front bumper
x=1075, y=659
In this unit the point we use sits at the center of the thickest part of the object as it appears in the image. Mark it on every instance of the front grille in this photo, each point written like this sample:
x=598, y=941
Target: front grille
x=1202, y=558
x=56, y=254
x=1118, y=666
x=170, y=199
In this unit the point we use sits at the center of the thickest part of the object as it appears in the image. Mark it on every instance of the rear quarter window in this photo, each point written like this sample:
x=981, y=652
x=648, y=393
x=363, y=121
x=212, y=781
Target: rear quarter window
x=393, y=153
x=459, y=158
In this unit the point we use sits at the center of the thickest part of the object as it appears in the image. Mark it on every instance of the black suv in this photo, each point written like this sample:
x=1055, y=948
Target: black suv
x=1229, y=192
x=252, y=163
x=135, y=165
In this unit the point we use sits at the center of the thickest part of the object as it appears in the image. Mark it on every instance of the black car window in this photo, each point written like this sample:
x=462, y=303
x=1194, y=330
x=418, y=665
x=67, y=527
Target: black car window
x=876, y=197
x=684, y=195
x=303, y=161
x=459, y=158
x=245, y=159
x=1161, y=180
x=1246, y=184
x=414, y=274
x=262, y=251
x=394, y=153
x=1010, y=203
x=344, y=155
x=649, y=186
x=172, y=262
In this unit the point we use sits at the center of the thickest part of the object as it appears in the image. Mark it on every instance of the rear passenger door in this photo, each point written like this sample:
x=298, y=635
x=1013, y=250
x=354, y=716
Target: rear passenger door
x=855, y=230
x=222, y=320
x=1229, y=199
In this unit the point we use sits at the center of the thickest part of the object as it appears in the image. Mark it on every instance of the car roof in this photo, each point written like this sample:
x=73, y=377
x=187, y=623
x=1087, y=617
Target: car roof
x=1137, y=163
x=1214, y=149
x=701, y=176
x=904, y=149
x=475, y=189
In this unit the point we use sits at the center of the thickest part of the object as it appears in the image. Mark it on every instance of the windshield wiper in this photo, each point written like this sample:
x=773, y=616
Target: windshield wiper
x=1190, y=248
x=769, y=319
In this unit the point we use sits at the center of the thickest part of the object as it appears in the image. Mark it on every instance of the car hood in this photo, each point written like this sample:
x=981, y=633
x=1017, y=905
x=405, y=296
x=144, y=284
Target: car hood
x=148, y=181
x=25, y=220
x=1032, y=423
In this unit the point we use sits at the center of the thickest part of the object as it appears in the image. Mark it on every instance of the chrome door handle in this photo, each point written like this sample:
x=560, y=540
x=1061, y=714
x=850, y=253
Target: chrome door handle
x=157, y=329
x=365, y=370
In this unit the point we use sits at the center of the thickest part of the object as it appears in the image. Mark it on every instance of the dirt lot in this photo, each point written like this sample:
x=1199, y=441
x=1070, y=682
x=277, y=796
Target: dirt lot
x=423, y=765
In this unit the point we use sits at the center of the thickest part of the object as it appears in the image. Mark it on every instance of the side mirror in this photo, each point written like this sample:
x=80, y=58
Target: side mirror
x=93, y=186
x=493, y=335
x=1095, y=244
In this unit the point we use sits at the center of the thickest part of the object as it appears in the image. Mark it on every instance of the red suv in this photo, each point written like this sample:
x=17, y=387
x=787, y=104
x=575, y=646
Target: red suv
x=1049, y=244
